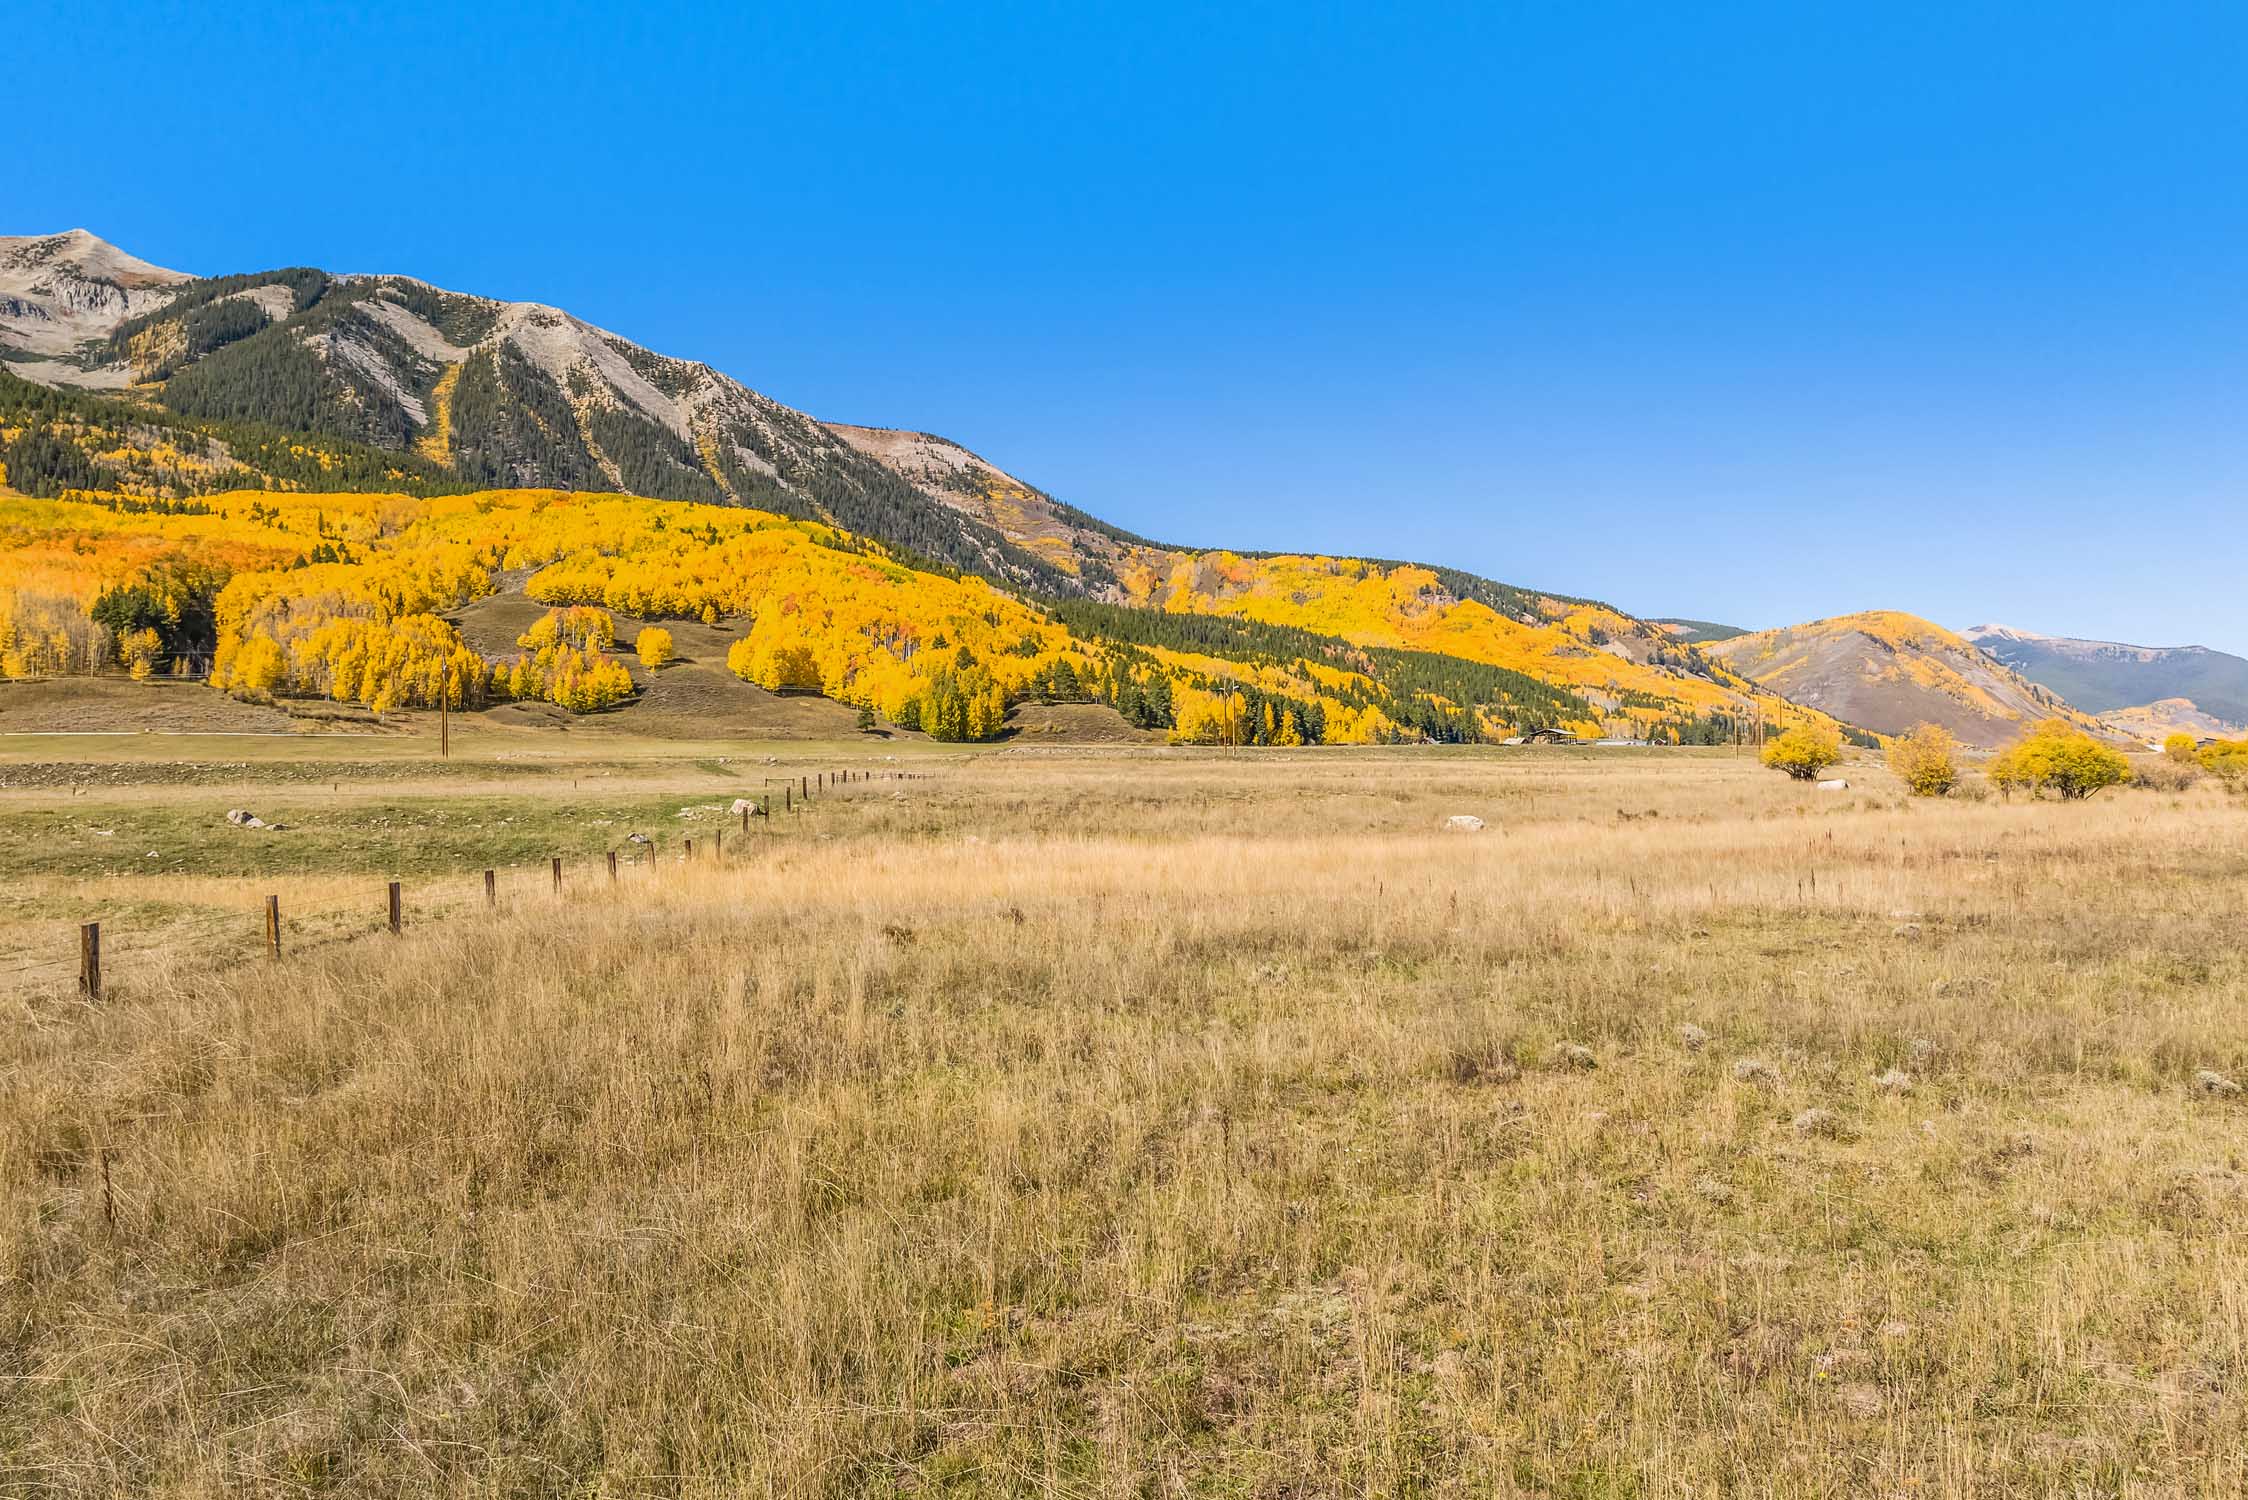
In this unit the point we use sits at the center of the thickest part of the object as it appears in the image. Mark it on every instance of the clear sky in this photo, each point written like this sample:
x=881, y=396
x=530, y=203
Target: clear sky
x=1748, y=312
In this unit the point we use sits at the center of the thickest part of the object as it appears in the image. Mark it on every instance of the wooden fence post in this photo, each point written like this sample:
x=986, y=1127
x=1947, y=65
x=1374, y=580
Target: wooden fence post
x=788, y=799
x=690, y=854
x=89, y=960
x=718, y=843
x=745, y=816
x=273, y=927
x=397, y=913
x=612, y=867
x=491, y=887
x=804, y=787
x=557, y=874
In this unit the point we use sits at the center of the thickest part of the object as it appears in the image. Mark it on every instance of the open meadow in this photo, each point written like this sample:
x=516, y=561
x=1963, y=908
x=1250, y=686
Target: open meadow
x=1111, y=1121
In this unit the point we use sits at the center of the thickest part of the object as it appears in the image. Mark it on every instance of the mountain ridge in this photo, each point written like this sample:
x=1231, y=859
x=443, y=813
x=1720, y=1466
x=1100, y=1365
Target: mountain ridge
x=1888, y=671
x=304, y=380
x=2114, y=676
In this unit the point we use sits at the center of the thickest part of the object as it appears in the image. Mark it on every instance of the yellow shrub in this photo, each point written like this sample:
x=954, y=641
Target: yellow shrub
x=654, y=647
x=2059, y=757
x=1803, y=753
x=1926, y=760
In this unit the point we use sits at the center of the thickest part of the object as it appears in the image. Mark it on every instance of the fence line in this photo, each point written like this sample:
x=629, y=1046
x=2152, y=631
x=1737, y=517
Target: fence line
x=795, y=797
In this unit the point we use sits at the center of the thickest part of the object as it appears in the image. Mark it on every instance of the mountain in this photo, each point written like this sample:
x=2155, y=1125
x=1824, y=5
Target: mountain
x=2102, y=676
x=129, y=379
x=428, y=391
x=1888, y=671
x=58, y=291
x=1697, y=632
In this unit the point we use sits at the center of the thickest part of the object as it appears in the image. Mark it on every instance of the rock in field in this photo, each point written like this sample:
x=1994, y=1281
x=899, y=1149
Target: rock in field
x=1574, y=1058
x=1463, y=823
x=2211, y=1082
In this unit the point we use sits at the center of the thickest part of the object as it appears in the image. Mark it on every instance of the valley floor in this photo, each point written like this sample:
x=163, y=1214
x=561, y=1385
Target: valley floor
x=1112, y=1121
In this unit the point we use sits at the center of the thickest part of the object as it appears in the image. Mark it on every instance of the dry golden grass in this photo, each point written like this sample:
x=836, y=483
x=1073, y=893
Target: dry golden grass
x=1133, y=1124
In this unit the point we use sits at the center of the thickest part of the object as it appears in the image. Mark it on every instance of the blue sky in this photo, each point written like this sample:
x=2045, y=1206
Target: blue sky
x=1746, y=312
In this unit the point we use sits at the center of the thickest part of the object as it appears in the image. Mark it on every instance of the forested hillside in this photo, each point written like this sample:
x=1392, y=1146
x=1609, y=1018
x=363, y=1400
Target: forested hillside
x=346, y=596
x=305, y=384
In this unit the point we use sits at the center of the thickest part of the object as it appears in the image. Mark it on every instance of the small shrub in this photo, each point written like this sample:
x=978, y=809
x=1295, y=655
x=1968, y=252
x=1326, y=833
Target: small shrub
x=2227, y=760
x=1803, y=753
x=2059, y=757
x=1824, y=1123
x=1926, y=760
x=2182, y=749
x=2167, y=775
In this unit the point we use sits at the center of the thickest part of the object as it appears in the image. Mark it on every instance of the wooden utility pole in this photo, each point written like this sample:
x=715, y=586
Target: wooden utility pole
x=89, y=960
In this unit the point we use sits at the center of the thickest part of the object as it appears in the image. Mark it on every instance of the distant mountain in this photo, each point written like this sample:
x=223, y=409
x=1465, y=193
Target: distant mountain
x=1889, y=671
x=2101, y=676
x=1697, y=632
x=123, y=377
x=2152, y=723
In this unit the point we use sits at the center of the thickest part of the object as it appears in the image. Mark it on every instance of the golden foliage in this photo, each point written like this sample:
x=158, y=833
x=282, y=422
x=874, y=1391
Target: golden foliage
x=1926, y=760
x=1638, y=682
x=2056, y=756
x=1803, y=752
